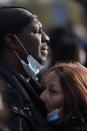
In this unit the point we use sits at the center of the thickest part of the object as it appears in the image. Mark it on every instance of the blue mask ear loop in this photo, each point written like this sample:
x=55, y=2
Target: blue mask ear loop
x=21, y=45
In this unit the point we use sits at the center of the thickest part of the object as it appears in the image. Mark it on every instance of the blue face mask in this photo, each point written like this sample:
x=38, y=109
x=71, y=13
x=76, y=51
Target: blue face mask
x=54, y=115
x=33, y=67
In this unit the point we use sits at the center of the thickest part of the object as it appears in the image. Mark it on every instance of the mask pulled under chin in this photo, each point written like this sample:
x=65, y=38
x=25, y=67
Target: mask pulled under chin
x=32, y=68
x=54, y=115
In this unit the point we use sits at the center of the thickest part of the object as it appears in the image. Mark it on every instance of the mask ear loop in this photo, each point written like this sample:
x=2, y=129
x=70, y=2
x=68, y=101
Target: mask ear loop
x=21, y=45
x=17, y=55
x=22, y=61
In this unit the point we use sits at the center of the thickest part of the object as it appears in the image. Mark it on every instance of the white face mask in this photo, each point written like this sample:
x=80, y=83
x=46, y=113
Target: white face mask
x=54, y=115
x=33, y=67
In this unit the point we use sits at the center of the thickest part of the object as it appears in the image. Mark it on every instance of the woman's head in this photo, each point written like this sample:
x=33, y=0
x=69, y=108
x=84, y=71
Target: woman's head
x=53, y=94
x=70, y=91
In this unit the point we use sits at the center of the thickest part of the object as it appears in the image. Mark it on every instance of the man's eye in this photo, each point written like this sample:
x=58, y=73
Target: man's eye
x=35, y=31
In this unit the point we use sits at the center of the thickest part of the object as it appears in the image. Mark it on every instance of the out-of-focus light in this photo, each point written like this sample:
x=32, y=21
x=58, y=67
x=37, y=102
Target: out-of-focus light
x=5, y=1
x=44, y=1
x=80, y=30
x=19, y=1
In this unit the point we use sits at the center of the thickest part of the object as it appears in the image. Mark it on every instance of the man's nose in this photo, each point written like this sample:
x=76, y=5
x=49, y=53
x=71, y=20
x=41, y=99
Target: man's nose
x=45, y=37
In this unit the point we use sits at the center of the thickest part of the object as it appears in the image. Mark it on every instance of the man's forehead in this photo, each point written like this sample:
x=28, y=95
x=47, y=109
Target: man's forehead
x=37, y=22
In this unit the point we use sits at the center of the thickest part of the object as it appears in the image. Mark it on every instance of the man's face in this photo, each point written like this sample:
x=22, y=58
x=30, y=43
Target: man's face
x=35, y=41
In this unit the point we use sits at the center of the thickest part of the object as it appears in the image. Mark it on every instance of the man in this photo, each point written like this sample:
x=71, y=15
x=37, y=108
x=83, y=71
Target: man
x=21, y=34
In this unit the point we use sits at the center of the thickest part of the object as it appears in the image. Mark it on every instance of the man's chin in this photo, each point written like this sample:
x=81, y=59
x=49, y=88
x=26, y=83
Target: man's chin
x=42, y=60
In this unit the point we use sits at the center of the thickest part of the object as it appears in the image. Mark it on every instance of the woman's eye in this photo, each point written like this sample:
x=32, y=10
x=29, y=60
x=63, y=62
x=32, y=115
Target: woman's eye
x=53, y=91
x=44, y=89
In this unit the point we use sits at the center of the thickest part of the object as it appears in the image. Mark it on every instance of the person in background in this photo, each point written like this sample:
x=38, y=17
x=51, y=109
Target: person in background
x=65, y=96
x=65, y=46
x=23, y=50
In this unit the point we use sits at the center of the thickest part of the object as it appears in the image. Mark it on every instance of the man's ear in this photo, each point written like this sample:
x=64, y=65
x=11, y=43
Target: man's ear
x=11, y=42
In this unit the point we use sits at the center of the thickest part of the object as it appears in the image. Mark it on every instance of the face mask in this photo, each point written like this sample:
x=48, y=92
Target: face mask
x=33, y=67
x=54, y=115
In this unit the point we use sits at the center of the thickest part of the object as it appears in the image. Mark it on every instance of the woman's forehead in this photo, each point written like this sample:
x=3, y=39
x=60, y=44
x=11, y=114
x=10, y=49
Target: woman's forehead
x=51, y=76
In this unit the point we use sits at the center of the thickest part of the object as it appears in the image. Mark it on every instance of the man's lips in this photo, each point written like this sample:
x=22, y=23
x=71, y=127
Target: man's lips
x=44, y=50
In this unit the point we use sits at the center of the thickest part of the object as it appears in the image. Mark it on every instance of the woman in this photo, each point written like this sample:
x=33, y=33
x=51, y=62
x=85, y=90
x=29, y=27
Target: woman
x=65, y=96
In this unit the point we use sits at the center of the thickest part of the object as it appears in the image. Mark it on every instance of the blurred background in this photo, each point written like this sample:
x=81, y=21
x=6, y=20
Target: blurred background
x=60, y=14
x=55, y=12
x=65, y=21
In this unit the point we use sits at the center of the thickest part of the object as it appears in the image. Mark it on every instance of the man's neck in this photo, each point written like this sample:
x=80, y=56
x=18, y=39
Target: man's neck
x=11, y=59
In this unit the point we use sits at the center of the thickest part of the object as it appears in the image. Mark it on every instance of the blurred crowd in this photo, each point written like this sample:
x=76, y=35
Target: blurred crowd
x=67, y=44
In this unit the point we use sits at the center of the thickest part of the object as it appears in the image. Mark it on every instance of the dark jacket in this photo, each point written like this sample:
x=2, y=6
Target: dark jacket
x=27, y=111
x=69, y=125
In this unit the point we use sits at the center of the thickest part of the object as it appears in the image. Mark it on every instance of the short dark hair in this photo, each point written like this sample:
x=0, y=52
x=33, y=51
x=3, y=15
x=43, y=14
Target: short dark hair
x=13, y=19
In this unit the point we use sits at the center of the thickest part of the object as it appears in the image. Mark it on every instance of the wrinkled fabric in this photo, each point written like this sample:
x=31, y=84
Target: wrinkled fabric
x=27, y=111
x=69, y=125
